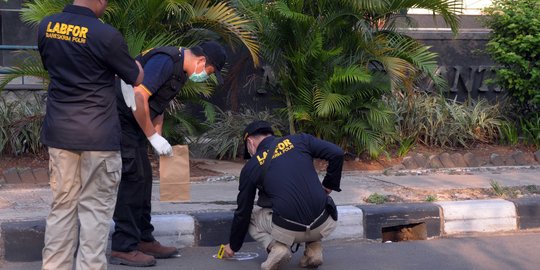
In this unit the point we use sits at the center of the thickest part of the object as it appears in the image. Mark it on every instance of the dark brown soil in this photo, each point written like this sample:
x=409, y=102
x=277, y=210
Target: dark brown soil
x=362, y=164
x=42, y=161
x=387, y=161
x=195, y=171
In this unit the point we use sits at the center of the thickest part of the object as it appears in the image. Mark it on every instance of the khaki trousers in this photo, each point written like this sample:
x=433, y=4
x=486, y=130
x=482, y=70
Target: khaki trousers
x=84, y=186
x=264, y=231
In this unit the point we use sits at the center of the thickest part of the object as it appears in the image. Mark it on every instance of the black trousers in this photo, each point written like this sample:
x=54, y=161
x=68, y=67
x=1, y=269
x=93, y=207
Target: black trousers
x=133, y=205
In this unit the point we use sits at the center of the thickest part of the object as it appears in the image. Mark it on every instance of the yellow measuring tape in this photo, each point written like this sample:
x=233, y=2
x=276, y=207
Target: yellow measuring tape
x=221, y=251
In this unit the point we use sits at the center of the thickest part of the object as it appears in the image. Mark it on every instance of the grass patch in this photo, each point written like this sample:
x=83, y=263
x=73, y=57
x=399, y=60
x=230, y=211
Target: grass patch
x=377, y=198
x=503, y=192
x=496, y=188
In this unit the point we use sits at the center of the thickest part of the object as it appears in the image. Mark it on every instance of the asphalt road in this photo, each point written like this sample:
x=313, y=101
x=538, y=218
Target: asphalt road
x=508, y=252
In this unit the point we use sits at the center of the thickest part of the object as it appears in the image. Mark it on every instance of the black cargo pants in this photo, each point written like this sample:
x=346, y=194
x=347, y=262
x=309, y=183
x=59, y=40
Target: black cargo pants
x=133, y=205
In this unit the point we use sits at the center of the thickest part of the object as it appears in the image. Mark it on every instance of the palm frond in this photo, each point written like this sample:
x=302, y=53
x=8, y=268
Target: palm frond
x=30, y=66
x=411, y=50
x=364, y=137
x=192, y=89
x=33, y=12
x=448, y=9
x=378, y=115
x=366, y=5
x=350, y=75
x=138, y=41
x=224, y=19
x=179, y=125
x=328, y=103
x=178, y=9
x=399, y=70
x=303, y=96
x=283, y=10
x=424, y=61
x=302, y=115
x=209, y=110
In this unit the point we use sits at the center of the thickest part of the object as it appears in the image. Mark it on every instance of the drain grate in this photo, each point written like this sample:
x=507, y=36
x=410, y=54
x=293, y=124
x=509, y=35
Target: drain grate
x=415, y=231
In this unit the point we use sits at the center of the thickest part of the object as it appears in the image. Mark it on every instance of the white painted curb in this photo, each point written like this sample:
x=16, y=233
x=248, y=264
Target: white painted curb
x=174, y=230
x=478, y=216
x=171, y=230
x=350, y=223
x=457, y=217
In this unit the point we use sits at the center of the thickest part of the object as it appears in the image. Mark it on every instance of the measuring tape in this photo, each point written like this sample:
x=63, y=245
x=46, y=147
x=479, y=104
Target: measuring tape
x=221, y=251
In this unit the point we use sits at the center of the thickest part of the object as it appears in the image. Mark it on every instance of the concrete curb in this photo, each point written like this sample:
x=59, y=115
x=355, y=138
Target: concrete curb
x=479, y=216
x=22, y=241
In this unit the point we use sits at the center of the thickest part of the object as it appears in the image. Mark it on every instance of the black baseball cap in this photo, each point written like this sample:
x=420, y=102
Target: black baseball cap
x=254, y=128
x=215, y=55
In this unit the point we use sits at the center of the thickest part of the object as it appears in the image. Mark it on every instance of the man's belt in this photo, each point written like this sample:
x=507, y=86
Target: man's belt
x=299, y=227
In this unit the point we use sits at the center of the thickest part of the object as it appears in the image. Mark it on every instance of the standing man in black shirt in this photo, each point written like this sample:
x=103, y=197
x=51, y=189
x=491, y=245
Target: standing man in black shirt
x=295, y=205
x=82, y=131
x=166, y=71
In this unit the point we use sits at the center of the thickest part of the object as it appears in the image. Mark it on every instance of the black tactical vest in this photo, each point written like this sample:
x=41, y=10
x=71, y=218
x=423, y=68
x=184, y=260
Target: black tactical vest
x=159, y=101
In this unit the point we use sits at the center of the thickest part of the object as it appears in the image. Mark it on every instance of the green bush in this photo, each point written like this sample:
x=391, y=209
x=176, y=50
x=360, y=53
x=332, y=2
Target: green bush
x=224, y=136
x=530, y=129
x=515, y=45
x=334, y=60
x=405, y=146
x=526, y=130
x=509, y=133
x=20, y=126
x=436, y=121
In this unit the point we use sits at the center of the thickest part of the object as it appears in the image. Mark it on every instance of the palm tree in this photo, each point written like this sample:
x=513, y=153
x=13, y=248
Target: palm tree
x=151, y=23
x=335, y=59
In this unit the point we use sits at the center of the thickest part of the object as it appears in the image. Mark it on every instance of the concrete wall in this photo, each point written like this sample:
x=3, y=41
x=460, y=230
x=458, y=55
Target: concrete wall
x=462, y=57
x=470, y=7
x=463, y=62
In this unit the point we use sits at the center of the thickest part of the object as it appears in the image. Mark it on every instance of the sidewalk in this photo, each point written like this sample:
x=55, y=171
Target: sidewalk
x=205, y=220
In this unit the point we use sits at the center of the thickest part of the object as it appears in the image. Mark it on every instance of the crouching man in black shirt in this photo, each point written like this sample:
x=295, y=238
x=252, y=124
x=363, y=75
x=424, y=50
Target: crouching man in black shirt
x=294, y=206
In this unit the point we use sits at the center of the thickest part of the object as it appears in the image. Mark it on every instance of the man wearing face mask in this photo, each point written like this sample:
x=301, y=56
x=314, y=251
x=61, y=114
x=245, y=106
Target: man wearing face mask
x=168, y=69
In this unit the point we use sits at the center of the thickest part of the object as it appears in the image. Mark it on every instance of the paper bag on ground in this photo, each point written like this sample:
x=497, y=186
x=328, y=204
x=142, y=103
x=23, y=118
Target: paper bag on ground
x=174, y=175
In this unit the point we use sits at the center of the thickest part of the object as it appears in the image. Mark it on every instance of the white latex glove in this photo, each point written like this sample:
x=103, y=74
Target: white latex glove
x=162, y=146
x=129, y=95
